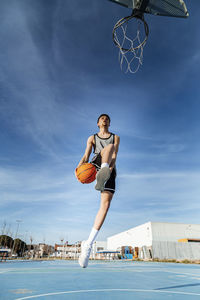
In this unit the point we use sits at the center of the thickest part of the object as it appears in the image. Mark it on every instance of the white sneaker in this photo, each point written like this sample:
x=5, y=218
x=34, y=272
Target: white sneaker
x=85, y=254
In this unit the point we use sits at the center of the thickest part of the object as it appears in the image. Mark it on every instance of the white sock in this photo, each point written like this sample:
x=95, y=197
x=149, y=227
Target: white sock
x=104, y=165
x=92, y=236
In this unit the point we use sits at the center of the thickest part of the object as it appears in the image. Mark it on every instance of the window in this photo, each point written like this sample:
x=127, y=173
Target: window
x=99, y=248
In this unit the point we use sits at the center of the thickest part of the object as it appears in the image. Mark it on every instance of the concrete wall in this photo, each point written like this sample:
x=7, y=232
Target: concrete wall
x=172, y=232
x=178, y=251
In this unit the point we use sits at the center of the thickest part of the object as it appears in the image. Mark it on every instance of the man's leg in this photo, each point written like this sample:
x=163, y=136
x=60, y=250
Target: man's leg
x=104, y=174
x=107, y=153
x=106, y=198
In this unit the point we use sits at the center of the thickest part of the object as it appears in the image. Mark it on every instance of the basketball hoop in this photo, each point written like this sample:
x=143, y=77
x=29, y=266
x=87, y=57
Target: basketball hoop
x=131, y=41
x=131, y=38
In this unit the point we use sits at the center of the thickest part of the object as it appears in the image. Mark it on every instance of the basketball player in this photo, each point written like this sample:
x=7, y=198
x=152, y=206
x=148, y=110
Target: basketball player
x=105, y=145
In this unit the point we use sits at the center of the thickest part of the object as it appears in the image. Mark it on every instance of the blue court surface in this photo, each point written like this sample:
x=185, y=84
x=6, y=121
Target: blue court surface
x=117, y=280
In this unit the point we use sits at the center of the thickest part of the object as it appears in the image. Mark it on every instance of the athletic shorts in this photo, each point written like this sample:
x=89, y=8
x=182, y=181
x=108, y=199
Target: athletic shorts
x=110, y=184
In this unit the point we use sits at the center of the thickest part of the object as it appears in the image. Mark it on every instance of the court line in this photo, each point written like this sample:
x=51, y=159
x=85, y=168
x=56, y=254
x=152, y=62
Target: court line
x=38, y=270
x=109, y=290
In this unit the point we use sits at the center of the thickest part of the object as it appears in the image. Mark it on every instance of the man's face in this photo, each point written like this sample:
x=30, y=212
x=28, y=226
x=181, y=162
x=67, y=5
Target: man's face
x=104, y=121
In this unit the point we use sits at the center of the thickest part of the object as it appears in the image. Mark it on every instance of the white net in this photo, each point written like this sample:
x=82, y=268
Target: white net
x=130, y=39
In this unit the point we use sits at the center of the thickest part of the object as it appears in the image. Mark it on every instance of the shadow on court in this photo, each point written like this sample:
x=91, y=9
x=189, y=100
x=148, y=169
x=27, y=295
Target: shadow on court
x=178, y=286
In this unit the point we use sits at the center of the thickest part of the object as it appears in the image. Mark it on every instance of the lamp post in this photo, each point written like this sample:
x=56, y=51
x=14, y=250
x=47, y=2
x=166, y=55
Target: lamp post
x=24, y=244
x=62, y=251
x=13, y=248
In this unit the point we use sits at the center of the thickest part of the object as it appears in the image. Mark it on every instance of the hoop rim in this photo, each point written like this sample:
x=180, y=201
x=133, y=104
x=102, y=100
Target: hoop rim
x=135, y=14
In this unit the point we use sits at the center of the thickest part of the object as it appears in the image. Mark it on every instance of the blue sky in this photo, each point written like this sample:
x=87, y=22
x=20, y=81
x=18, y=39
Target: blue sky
x=59, y=70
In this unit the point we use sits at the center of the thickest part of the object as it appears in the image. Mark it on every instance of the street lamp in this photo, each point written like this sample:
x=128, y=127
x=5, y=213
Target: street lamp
x=13, y=248
x=62, y=251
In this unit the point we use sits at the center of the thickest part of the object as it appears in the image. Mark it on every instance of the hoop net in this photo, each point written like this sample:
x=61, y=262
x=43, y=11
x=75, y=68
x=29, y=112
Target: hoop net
x=131, y=41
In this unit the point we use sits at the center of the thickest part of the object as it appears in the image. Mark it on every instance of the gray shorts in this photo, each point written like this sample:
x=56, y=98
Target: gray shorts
x=110, y=184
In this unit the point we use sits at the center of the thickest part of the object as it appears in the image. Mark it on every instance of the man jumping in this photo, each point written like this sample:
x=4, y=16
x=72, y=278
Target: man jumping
x=105, y=145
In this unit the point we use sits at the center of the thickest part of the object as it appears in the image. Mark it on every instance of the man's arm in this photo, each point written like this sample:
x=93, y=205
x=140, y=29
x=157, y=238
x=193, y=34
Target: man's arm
x=88, y=151
x=114, y=157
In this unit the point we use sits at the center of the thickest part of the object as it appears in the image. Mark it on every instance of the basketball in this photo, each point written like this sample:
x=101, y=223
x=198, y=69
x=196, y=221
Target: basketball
x=86, y=173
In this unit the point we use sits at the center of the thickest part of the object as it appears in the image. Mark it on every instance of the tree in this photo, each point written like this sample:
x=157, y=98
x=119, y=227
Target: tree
x=19, y=247
x=6, y=241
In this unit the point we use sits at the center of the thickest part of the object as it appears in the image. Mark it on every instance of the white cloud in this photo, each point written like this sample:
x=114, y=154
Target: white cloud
x=161, y=175
x=170, y=147
x=159, y=193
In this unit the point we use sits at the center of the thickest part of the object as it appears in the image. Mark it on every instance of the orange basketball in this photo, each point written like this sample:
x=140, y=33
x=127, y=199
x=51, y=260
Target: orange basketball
x=86, y=173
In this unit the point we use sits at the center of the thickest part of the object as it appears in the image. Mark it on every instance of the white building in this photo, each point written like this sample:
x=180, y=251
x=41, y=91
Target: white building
x=68, y=251
x=161, y=240
x=96, y=247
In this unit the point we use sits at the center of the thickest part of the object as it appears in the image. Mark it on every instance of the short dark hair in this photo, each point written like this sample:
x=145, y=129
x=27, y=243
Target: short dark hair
x=102, y=116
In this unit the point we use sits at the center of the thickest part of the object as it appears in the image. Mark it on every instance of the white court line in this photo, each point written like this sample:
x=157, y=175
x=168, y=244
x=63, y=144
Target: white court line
x=2, y=272
x=109, y=290
x=38, y=270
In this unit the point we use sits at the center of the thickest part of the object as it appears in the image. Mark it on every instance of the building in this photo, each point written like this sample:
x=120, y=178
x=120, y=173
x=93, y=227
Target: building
x=44, y=250
x=69, y=251
x=156, y=240
x=40, y=250
x=107, y=255
x=97, y=248
x=4, y=253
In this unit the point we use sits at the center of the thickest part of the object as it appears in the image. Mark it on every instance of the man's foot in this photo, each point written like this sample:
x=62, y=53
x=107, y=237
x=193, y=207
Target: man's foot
x=85, y=254
x=102, y=176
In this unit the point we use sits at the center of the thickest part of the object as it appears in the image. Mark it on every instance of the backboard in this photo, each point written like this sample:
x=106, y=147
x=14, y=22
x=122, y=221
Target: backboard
x=170, y=8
